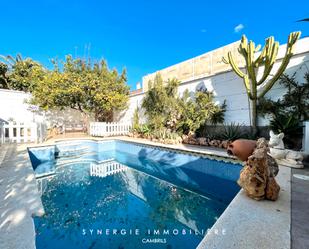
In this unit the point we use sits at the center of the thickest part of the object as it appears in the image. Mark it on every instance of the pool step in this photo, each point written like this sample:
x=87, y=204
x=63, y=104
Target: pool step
x=69, y=152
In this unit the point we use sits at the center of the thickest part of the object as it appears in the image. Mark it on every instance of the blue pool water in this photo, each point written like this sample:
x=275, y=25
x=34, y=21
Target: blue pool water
x=116, y=194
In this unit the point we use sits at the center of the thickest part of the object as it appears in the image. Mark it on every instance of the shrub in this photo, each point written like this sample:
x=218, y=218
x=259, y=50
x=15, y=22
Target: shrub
x=232, y=132
x=288, y=112
x=135, y=123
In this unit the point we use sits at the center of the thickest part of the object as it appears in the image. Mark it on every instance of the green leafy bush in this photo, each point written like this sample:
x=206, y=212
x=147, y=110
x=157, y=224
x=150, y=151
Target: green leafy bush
x=295, y=102
x=291, y=128
x=288, y=112
x=135, y=123
x=167, y=113
x=144, y=129
x=199, y=110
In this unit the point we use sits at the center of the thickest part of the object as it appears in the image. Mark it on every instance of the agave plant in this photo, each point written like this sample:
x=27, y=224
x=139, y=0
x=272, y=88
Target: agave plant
x=232, y=132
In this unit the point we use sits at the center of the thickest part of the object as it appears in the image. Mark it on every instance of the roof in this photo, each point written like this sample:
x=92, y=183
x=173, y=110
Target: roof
x=137, y=91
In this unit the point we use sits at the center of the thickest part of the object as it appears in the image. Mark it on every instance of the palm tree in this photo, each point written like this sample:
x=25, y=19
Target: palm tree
x=11, y=60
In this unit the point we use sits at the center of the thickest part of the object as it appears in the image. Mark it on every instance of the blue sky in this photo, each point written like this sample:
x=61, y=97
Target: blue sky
x=143, y=36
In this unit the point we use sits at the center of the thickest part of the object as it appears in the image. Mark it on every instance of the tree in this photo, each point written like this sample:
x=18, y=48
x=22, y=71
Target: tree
x=295, y=102
x=3, y=76
x=255, y=88
x=135, y=122
x=288, y=112
x=161, y=103
x=22, y=74
x=165, y=110
x=199, y=110
x=84, y=87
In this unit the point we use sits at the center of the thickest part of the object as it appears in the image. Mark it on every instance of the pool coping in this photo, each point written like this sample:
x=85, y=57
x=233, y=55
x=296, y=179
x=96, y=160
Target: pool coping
x=241, y=219
x=247, y=223
x=195, y=150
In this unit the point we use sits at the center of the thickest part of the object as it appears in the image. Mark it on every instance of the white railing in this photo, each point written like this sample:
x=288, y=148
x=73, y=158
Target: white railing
x=102, y=129
x=20, y=132
x=106, y=168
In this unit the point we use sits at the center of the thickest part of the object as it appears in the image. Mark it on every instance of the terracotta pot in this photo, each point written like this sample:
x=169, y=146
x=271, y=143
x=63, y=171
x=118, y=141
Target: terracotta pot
x=241, y=148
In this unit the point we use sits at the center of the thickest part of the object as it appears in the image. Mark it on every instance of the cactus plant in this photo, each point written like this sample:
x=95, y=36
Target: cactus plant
x=257, y=88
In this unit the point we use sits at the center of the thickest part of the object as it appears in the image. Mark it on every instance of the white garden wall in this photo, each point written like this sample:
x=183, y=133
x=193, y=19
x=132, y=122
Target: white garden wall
x=228, y=86
x=14, y=107
x=135, y=101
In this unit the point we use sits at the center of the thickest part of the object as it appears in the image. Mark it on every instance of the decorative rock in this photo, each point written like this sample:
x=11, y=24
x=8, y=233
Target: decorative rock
x=225, y=144
x=192, y=140
x=273, y=166
x=185, y=139
x=257, y=176
x=214, y=143
x=253, y=177
x=202, y=141
x=272, y=189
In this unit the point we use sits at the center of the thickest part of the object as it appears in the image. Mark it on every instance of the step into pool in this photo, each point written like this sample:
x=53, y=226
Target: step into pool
x=118, y=194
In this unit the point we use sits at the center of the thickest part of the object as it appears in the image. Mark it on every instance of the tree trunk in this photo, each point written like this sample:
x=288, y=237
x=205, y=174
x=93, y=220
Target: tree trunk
x=254, y=116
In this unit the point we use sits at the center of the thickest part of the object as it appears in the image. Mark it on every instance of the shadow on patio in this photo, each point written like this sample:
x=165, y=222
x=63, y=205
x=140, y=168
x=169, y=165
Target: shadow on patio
x=19, y=197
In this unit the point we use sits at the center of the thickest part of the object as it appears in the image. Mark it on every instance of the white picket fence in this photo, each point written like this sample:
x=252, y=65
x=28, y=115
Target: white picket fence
x=21, y=132
x=106, y=168
x=105, y=129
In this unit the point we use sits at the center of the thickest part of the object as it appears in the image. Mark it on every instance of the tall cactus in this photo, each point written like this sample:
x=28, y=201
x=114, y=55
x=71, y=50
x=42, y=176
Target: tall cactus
x=267, y=58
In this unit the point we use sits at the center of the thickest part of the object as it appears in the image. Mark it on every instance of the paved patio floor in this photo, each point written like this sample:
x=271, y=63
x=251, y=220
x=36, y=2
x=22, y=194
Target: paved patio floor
x=300, y=210
x=19, y=199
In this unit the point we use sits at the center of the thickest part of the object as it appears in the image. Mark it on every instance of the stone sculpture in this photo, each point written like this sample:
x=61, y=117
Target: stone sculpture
x=283, y=156
x=257, y=178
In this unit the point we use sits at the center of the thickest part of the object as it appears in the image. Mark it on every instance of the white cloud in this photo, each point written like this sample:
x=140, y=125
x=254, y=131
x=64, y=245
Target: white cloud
x=239, y=27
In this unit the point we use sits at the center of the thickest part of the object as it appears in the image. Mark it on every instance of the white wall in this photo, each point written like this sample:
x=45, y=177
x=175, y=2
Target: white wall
x=13, y=105
x=228, y=86
x=134, y=102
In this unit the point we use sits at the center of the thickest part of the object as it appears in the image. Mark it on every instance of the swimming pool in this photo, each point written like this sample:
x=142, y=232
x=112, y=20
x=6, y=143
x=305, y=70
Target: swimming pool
x=118, y=194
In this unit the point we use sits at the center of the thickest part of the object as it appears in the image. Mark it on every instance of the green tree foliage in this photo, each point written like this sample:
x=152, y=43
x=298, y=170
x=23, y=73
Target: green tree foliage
x=3, y=76
x=84, y=87
x=199, y=110
x=135, y=123
x=295, y=102
x=288, y=112
x=22, y=74
x=165, y=110
x=161, y=103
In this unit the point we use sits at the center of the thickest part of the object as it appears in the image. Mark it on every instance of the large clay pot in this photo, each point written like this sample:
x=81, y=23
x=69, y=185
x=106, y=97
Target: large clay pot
x=241, y=148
